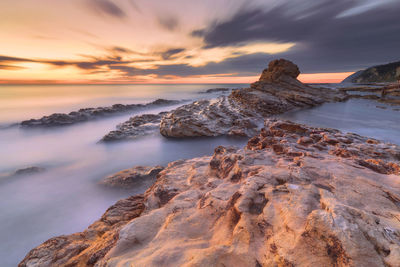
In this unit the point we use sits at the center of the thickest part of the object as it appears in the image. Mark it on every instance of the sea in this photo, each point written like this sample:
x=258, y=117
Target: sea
x=67, y=196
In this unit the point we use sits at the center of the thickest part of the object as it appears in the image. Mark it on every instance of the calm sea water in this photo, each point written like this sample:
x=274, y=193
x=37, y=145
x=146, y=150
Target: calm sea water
x=67, y=198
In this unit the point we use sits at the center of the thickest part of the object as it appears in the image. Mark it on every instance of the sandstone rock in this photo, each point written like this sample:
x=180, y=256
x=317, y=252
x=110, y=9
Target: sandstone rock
x=221, y=116
x=136, y=126
x=279, y=70
x=299, y=205
x=130, y=177
x=88, y=247
x=85, y=114
x=276, y=92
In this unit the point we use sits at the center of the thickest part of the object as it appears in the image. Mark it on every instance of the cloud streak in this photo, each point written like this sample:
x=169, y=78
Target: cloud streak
x=107, y=7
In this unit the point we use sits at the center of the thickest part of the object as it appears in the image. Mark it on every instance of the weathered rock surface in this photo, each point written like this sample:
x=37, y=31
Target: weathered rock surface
x=221, y=116
x=276, y=92
x=130, y=177
x=216, y=90
x=136, y=126
x=85, y=114
x=88, y=247
x=295, y=196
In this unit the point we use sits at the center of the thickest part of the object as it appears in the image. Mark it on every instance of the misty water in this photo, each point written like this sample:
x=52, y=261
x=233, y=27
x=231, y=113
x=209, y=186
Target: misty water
x=66, y=198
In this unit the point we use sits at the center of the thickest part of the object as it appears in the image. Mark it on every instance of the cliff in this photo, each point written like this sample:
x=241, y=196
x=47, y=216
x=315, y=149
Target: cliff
x=376, y=74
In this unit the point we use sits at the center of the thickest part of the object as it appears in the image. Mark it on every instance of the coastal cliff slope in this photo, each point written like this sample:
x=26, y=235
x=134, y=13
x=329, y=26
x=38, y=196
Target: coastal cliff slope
x=377, y=74
x=294, y=196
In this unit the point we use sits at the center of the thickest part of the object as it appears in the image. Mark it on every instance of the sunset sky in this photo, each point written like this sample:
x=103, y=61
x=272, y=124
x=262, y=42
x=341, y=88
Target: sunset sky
x=182, y=41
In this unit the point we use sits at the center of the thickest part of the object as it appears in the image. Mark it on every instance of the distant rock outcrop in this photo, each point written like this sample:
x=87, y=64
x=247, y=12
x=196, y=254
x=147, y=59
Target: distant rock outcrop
x=295, y=196
x=86, y=114
x=376, y=74
x=277, y=91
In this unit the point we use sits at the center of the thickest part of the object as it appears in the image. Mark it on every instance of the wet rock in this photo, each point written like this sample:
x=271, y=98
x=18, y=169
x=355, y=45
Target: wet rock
x=136, y=126
x=258, y=206
x=29, y=170
x=216, y=90
x=130, y=177
x=85, y=114
x=276, y=92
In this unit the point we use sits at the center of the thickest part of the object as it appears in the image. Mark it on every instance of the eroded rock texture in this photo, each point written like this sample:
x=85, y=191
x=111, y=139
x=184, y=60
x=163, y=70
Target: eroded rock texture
x=130, y=177
x=277, y=91
x=136, y=126
x=295, y=196
x=88, y=247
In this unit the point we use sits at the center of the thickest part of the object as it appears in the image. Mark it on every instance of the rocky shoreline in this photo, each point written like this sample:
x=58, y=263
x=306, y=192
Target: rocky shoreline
x=86, y=114
x=294, y=196
x=238, y=114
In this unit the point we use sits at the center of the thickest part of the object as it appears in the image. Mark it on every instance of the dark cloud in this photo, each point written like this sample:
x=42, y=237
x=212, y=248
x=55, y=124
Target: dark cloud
x=10, y=67
x=14, y=59
x=169, y=23
x=120, y=49
x=325, y=40
x=171, y=53
x=107, y=7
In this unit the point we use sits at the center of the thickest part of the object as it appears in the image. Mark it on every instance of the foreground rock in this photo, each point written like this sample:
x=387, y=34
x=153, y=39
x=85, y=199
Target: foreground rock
x=130, y=177
x=277, y=91
x=295, y=196
x=141, y=125
x=88, y=247
x=85, y=114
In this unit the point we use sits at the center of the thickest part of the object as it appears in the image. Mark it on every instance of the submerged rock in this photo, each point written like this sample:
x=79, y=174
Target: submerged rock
x=29, y=170
x=129, y=177
x=277, y=91
x=295, y=196
x=85, y=114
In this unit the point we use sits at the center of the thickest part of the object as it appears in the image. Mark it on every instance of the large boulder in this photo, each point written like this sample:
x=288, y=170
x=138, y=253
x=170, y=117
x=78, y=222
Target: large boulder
x=279, y=70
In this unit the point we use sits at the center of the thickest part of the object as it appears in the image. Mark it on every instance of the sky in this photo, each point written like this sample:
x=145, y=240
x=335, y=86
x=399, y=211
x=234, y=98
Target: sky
x=187, y=41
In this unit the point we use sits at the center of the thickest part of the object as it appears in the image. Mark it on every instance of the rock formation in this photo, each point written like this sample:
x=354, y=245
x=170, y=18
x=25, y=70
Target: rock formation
x=376, y=74
x=136, y=126
x=29, y=170
x=277, y=91
x=221, y=116
x=86, y=114
x=295, y=196
x=130, y=177
x=216, y=90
